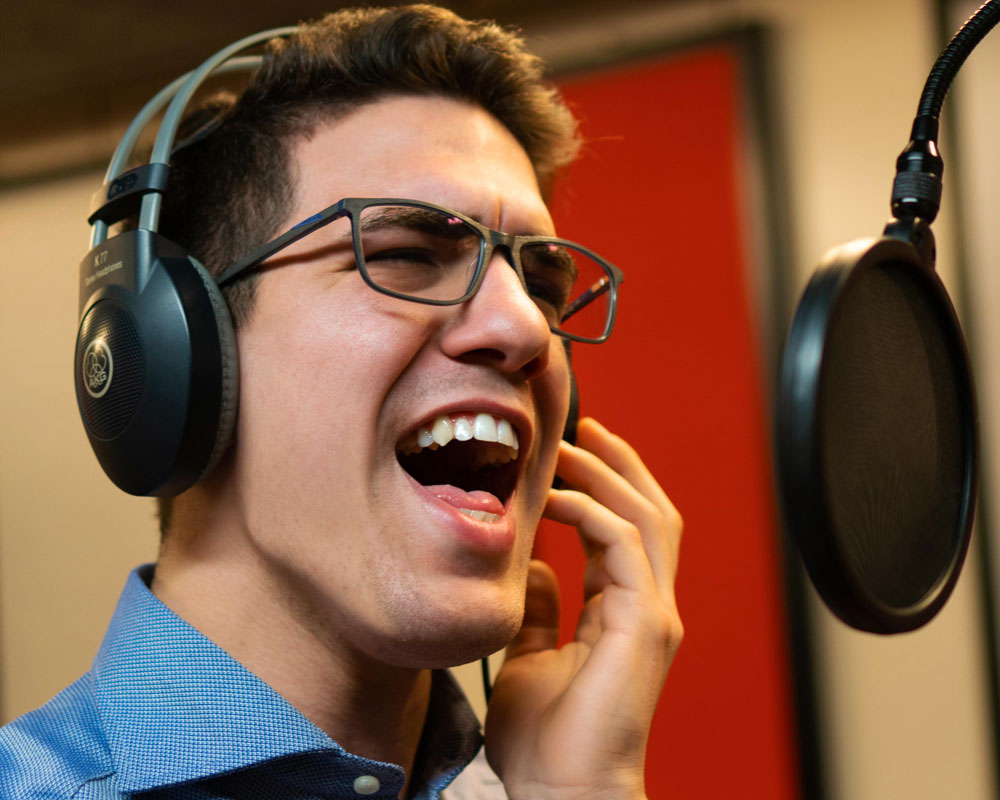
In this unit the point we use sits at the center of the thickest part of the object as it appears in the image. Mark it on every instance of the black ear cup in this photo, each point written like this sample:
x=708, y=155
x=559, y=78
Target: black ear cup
x=156, y=367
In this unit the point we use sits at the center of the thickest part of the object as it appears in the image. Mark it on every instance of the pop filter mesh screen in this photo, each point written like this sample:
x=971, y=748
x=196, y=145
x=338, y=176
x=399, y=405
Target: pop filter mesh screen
x=891, y=433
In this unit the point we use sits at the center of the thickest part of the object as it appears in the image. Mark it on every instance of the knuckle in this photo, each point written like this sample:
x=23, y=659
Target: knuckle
x=675, y=521
x=633, y=535
x=670, y=629
x=676, y=635
x=666, y=519
x=649, y=515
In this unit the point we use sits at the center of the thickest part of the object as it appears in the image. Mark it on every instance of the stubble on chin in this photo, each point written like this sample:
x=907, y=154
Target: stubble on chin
x=434, y=628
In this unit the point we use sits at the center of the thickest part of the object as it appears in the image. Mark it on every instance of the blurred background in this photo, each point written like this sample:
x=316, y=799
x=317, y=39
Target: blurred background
x=729, y=144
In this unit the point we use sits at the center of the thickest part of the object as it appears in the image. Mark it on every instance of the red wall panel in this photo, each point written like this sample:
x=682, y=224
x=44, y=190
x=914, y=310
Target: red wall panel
x=657, y=191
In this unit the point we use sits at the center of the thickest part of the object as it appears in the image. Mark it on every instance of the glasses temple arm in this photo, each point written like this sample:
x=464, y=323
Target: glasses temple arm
x=596, y=289
x=290, y=236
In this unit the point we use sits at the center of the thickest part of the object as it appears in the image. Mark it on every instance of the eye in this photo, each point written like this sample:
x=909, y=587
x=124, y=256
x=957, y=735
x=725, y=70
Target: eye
x=404, y=257
x=408, y=270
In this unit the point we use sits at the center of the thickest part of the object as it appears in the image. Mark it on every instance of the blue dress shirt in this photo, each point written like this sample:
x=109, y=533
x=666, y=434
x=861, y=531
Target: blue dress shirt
x=165, y=714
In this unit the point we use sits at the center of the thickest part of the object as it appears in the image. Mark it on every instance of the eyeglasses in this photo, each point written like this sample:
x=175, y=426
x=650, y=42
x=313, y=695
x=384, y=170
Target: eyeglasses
x=427, y=254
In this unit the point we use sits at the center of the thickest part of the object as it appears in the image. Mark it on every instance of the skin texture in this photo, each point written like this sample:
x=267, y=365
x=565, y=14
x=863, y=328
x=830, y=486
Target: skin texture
x=318, y=563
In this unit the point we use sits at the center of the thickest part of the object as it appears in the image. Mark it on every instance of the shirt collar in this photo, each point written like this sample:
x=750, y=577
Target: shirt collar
x=177, y=708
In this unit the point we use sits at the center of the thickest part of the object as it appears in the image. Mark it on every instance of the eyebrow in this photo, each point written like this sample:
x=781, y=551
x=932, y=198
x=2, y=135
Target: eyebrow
x=417, y=219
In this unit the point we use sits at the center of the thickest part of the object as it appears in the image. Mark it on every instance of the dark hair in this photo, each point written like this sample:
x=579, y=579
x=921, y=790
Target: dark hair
x=231, y=189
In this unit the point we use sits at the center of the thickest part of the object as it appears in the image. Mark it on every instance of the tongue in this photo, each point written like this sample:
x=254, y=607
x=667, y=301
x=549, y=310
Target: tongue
x=473, y=501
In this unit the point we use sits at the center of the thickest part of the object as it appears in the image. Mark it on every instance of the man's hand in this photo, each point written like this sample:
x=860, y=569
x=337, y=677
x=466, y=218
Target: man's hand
x=573, y=722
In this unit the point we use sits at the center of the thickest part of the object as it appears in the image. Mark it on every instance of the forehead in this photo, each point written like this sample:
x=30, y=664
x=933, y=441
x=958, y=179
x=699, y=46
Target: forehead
x=435, y=149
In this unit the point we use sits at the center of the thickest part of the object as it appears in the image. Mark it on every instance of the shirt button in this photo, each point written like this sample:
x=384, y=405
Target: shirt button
x=366, y=784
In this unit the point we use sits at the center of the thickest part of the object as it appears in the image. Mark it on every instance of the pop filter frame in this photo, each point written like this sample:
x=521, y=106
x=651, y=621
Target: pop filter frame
x=883, y=517
x=877, y=436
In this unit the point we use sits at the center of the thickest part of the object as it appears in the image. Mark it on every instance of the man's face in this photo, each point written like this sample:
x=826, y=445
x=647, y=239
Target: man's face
x=337, y=379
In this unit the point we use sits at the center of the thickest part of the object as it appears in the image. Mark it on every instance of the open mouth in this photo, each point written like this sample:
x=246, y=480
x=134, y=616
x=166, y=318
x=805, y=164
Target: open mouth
x=471, y=452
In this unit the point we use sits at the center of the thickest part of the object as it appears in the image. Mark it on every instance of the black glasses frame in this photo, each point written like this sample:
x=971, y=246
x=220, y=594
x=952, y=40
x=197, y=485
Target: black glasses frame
x=489, y=239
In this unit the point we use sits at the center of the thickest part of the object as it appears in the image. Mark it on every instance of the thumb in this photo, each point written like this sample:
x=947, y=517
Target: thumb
x=540, y=627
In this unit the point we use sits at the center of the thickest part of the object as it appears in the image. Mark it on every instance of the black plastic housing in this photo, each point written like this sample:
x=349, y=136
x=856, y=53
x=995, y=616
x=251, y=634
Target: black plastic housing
x=121, y=197
x=916, y=189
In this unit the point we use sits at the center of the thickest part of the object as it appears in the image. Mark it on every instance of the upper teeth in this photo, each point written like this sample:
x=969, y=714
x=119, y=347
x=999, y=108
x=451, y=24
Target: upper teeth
x=483, y=427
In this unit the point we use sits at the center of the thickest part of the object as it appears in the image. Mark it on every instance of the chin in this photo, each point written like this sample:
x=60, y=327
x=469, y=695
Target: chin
x=446, y=637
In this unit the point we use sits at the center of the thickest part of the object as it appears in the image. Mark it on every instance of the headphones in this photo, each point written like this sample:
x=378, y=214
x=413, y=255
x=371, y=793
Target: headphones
x=156, y=372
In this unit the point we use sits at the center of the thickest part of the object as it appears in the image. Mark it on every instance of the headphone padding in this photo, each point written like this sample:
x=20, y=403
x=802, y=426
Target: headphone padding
x=229, y=396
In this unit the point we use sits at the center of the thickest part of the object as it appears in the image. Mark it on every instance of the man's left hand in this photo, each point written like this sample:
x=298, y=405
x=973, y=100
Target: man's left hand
x=573, y=722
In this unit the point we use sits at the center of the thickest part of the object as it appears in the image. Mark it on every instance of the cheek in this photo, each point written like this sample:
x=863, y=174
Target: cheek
x=315, y=349
x=314, y=375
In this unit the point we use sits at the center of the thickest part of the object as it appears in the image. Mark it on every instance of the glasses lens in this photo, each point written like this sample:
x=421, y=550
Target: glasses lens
x=419, y=252
x=572, y=288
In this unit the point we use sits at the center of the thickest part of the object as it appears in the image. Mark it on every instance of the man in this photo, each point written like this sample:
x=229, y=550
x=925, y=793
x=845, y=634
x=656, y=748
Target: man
x=373, y=520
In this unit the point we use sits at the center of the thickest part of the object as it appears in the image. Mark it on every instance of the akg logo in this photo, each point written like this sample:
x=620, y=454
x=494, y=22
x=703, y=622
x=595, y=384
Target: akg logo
x=97, y=368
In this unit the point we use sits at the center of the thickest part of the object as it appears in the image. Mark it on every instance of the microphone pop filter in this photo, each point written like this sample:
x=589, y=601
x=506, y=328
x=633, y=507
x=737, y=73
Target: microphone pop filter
x=877, y=435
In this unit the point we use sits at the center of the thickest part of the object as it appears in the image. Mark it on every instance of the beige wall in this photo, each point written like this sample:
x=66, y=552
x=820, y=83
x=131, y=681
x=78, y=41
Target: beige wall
x=905, y=716
x=67, y=536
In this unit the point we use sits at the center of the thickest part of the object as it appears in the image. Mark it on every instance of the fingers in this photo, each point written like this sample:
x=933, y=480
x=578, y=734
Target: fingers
x=623, y=459
x=540, y=628
x=624, y=559
x=628, y=603
x=609, y=470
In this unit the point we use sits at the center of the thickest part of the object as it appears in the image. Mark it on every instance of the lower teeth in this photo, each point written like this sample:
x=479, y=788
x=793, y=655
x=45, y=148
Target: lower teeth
x=485, y=516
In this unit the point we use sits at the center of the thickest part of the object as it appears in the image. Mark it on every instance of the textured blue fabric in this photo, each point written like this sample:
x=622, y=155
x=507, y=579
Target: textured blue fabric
x=165, y=714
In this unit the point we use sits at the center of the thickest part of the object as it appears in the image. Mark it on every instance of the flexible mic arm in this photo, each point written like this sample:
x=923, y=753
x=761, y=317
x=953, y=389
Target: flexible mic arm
x=916, y=190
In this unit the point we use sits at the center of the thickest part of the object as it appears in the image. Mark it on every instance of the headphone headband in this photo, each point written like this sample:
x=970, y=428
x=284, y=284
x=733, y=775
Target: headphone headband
x=178, y=94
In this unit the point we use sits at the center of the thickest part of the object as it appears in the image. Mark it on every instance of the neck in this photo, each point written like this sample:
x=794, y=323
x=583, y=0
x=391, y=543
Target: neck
x=272, y=627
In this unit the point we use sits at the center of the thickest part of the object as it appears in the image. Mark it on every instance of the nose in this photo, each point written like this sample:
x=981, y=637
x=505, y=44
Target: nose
x=500, y=325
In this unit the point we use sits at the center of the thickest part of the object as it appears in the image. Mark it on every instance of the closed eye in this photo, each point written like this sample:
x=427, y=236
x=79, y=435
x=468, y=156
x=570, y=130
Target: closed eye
x=404, y=256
